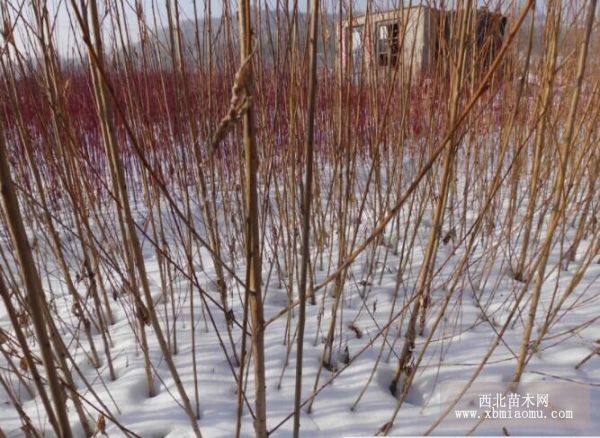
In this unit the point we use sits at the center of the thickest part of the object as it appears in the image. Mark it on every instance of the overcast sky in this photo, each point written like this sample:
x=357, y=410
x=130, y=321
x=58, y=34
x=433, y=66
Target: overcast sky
x=66, y=37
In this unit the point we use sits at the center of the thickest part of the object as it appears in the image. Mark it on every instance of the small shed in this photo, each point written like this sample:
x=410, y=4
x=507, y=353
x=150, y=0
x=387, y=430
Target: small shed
x=418, y=38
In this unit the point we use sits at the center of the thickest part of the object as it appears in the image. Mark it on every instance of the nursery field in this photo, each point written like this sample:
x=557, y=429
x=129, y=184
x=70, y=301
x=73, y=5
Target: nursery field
x=220, y=227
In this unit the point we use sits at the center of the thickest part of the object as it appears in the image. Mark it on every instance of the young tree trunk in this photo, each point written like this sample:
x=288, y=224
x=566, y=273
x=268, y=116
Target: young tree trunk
x=253, y=262
x=105, y=106
x=540, y=137
x=27, y=354
x=560, y=200
x=33, y=284
x=424, y=280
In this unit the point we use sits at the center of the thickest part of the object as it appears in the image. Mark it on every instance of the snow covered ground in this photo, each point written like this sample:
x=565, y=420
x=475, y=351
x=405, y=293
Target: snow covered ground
x=465, y=334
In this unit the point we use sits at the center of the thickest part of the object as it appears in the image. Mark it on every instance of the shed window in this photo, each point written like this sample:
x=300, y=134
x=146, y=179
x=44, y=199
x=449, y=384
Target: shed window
x=387, y=44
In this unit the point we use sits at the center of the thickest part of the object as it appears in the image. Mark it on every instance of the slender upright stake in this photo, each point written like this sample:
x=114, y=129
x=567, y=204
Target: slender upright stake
x=253, y=262
x=306, y=204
